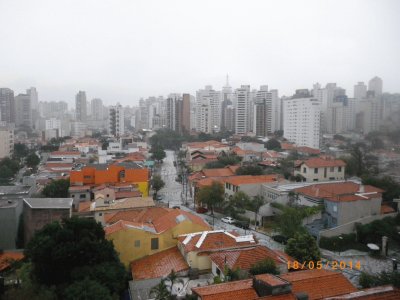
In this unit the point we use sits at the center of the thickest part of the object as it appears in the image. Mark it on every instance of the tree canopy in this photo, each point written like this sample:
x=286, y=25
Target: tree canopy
x=249, y=170
x=76, y=251
x=32, y=160
x=212, y=195
x=273, y=144
x=158, y=153
x=265, y=266
x=56, y=189
x=303, y=247
x=157, y=183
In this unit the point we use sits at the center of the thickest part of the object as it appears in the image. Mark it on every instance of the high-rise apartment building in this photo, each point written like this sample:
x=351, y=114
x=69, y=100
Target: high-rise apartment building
x=81, y=106
x=208, y=110
x=23, y=110
x=7, y=105
x=230, y=115
x=360, y=91
x=97, y=110
x=302, y=121
x=186, y=113
x=116, y=121
x=375, y=85
x=53, y=109
x=7, y=141
x=267, y=111
x=242, y=103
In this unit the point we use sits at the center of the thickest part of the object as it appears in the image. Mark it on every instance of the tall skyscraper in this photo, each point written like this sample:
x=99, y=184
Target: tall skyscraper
x=360, y=91
x=302, y=121
x=23, y=110
x=262, y=112
x=375, y=85
x=96, y=106
x=186, y=113
x=208, y=101
x=230, y=115
x=33, y=94
x=116, y=121
x=7, y=105
x=242, y=103
x=81, y=106
x=226, y=100
x=7, y=141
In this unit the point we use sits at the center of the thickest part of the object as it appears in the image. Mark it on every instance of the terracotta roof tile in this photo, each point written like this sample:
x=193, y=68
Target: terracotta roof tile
x=222, y=172
x=340, y=191
x=318, y=162
x=127, y=194
x=387, y=292
x=251, y=179
x=159, y=264
x=237, y=290
x=319, y=284
x=214, y=240
x=386, y=209
x=245, y=258
x=84, y=206
x=7, y=257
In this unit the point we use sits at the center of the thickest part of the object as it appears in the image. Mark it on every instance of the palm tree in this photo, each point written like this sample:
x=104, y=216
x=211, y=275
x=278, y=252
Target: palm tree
x=160, y=291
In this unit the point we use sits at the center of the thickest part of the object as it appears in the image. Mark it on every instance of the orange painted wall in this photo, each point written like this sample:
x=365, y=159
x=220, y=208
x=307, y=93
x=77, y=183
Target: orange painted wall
x=89, y=175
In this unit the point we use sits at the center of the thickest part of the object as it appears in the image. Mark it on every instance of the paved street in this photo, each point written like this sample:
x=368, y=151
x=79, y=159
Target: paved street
x=172, y=194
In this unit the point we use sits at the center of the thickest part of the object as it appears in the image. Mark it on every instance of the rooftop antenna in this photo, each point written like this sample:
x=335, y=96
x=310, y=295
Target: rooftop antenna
x=227, y=80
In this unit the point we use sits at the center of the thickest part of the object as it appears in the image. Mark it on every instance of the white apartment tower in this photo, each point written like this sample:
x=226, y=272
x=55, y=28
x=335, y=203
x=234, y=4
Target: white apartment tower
x=23, y=110
x=97, y=110
x=81, y=106
x=375, y=85
x=116, y=121
x=360, y=91
x=7, y=141
x=302, y=121
x=242, y=104
x=208, y=110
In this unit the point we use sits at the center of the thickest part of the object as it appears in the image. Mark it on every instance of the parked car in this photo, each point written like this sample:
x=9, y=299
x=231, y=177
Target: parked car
x=159, y=198
x=228, y=220
x=242, y=224
x=201, y=210
x=176, y=207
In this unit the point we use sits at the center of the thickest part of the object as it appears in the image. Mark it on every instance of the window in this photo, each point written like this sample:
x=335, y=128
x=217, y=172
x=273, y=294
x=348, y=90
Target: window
x=304, y=170
x=82, y=196
x=137, y=244
x=334, y=208
x=154, y=244
x=325, y=171
x=332, y=169
x=315, y=170
x=339, y=169
x=87, y=176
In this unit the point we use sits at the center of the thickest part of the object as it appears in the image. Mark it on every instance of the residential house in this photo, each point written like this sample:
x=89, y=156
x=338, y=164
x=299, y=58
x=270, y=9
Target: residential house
x=39, y=212
x=309, y=284
x=141, y=232
x=197, y=247
x=123, y=172
x=249, y=184
x=320, y=169
x=344, y=202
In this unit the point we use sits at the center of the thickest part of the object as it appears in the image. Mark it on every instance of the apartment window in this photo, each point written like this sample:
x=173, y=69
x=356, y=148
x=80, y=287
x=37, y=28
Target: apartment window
x=315, y=170
x=154, y=244
x=340, y=169
x=137, y=244
x=87, y=176
x=82, y=196
x=332, y=169
x=325, y=171
x=304, y=170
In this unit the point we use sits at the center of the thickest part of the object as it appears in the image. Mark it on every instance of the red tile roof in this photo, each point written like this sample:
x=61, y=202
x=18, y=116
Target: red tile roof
x=127, y=194
x=8, y=257
x=214, y=240
x=222, y=172
x=387, y=292
x=158, y=265
x=318, y=162
x=319, y=284
x=308, y=150
x=252, y=179
x=387, y=209
x=158, y=218
x=84, y=206
x=245, y=258
x=340, y=191
x=237, y=290
x=271, y=280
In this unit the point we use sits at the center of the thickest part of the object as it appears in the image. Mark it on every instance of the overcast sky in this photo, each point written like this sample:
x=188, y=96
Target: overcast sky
x=122, y=50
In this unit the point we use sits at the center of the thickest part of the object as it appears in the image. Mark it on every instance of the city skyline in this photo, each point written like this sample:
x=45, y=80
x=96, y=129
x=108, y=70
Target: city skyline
x=138, y=50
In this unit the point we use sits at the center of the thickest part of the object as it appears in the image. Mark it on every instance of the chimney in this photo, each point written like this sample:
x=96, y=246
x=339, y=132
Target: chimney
x=362, y=189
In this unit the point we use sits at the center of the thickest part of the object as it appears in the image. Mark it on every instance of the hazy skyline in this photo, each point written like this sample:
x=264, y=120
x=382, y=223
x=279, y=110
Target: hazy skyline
x=121, y=51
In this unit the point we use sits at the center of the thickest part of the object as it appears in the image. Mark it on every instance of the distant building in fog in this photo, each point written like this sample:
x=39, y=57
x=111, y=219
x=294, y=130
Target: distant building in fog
x=116, y=121
x=375, y=85
x=7, y=105
x=81, y=106
x=23, y=110
x=7, y=141
x=97, y=111
x=360, y=91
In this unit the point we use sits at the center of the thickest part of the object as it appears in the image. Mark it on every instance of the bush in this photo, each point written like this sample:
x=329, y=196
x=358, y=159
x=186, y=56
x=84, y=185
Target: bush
x=264, y=266
x=280, y=239
x=341, y=243
x=374, y=231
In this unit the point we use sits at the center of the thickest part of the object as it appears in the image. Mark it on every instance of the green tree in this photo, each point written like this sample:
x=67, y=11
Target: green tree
x=158, y=153
x=249, y=170
x=388, y=184
x=160, y=291
x=157, y=183
x=87, y=289
x=56, y=189
x=289, y=222
x=254, y=205
x=383, y=278
x=236, y=205
x=212, y=195
x=265, y=266
x=32, y=160
x=273, y=144
x=303, y=247
x=62, y=254
x=20, y=151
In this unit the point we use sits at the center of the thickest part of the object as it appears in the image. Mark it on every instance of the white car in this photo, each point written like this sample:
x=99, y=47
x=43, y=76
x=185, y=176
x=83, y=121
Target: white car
x=228, y=220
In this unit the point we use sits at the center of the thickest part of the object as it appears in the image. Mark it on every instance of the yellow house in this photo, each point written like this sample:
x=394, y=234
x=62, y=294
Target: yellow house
x=142, y=232
x=196, y=247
